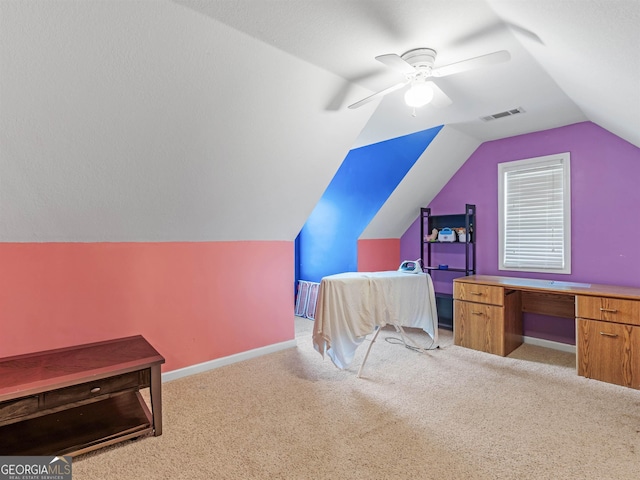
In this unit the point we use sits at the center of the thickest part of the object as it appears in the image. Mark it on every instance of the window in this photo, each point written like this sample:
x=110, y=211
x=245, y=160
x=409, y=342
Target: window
x=534, y=212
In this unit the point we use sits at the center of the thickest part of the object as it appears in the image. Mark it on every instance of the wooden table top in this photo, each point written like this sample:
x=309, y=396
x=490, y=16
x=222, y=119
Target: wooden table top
x=554, y=286
x=33, y=373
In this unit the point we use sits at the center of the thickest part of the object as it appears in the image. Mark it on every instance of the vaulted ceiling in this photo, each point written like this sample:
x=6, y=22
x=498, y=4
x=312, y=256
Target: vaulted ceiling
x=193, y=120
x=571, y=60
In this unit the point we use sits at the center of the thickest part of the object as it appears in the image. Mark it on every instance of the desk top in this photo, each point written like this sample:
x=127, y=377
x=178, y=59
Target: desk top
x=553, y=286
x=33, y=373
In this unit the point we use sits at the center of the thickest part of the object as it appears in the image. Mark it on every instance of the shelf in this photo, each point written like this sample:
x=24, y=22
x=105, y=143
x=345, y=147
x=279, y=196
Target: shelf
x=444, y=306
x=445, y=243
x=77, y=429
x=447, y=269
x=432, y=256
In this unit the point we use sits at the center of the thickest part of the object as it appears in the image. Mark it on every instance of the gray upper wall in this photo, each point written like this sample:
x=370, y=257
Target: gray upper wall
x=146, y=121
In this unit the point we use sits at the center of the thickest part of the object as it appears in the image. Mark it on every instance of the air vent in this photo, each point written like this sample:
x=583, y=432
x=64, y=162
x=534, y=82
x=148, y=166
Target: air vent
x=507, y=113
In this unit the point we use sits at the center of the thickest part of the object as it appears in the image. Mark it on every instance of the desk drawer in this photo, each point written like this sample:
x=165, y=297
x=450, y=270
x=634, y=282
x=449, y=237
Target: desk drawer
x=474, y=292
x=88, y=390
x=479, y=326
x=609, y=352
x=18, y=408
x=609, y=309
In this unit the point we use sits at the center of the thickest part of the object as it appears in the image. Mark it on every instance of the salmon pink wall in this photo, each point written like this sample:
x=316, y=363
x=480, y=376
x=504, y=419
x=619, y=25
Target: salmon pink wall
x=378, y=255
x=193, y=302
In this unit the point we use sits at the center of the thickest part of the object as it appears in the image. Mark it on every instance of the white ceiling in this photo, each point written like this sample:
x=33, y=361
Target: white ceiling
x=572, y=60
x=214, y=120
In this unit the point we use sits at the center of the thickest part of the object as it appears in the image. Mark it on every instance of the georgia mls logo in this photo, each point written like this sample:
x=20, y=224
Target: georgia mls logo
x=35, y=468
x=62, y=466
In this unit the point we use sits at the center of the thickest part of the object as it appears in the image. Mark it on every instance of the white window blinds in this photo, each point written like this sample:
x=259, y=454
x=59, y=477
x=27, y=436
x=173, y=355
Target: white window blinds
x=535, y=215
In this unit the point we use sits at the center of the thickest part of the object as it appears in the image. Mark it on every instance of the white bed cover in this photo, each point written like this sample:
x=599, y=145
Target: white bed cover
x=351, y=305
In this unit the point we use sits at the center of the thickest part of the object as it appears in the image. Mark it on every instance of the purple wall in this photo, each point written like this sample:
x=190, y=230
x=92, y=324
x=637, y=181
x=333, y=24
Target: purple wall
x=605, y=198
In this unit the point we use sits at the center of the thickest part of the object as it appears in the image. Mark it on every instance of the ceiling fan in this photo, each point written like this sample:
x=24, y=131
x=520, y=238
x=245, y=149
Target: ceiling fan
x=418, y=67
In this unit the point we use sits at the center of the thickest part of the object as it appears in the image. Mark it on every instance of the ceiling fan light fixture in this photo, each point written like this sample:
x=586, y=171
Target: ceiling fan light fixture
x=418, y=95
x=418, y=67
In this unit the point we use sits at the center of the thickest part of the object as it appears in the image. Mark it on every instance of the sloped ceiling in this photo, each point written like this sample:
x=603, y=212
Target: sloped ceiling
x=148, y=121
x=191, y=120
x=590, y=51
x=572, y=60
x=445, y=155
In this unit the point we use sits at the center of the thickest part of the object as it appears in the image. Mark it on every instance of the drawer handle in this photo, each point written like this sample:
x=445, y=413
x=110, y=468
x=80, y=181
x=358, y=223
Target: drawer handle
x=609, y=310
x=476, y=293
x=614, y=335
x=95, y=390
x=477, y=313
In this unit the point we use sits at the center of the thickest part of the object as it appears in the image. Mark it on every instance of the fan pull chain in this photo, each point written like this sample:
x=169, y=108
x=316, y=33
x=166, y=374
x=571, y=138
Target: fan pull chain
x=414, y=112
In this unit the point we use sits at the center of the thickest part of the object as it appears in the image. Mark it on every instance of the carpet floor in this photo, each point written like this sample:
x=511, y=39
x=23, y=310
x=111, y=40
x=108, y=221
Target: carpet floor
x=450, y=413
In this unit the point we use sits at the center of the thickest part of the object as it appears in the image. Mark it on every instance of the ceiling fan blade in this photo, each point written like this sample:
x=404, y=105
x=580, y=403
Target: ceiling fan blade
x=396, y=62
x=440, y=99
x=381, y=93
x=472, y=63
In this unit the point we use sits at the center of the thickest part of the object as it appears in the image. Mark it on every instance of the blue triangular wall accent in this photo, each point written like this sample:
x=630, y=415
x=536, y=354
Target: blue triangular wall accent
x=328, y=241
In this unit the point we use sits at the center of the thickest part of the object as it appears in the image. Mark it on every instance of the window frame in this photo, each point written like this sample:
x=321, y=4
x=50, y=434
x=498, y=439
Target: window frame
x=525, y=164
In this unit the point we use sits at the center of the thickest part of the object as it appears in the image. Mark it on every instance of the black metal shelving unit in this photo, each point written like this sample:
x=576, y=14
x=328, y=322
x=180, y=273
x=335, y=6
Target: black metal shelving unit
x=428, y=222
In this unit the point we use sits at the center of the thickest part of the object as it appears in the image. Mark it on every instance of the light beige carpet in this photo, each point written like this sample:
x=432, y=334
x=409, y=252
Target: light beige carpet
x=453, y=413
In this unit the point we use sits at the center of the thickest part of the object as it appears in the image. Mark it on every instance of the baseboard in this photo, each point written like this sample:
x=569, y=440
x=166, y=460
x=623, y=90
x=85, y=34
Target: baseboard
x=563, y=347
x=221, y=362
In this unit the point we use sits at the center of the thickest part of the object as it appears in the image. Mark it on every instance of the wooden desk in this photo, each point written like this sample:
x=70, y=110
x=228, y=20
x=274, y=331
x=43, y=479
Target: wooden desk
x=73, y=400
x=488, y=317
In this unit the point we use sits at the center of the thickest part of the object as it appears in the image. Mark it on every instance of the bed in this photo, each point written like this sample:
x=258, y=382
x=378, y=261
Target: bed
x=356, y=304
